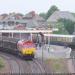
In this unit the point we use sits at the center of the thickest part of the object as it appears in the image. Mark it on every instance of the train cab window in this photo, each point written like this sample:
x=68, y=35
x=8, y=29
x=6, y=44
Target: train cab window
x=29, y=46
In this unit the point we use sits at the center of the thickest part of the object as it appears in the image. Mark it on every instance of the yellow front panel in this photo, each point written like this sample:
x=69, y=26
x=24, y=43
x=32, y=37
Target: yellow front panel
x=27, y=50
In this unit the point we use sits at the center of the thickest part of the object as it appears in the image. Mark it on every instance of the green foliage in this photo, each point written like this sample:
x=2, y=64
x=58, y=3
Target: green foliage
x=61, y=29
x=58, y=65
x=51, y=11
x=60, y=32
x=42, y=15
x=68, y=24
x=73, y=14
x=1, y=63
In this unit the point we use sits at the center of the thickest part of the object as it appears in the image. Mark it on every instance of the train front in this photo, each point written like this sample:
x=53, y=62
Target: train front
x=26, y=48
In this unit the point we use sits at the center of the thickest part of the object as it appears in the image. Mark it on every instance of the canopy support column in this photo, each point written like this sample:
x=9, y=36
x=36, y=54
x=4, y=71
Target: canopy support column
x=12, y=35
x=20, y=35
x=31, y=36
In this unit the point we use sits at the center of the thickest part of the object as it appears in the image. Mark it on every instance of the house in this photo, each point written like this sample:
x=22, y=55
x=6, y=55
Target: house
x=53, y=19
x=11, y=20
x=35, y=21
x=30, y=20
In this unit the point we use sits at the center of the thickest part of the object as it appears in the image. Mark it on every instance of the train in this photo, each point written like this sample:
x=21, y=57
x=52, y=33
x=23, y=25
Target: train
x=26, y=48
x=58, y=39
x=23, y=48
x=20, y=44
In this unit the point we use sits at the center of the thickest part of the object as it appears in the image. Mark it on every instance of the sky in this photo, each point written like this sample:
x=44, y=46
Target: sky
x=25, y=6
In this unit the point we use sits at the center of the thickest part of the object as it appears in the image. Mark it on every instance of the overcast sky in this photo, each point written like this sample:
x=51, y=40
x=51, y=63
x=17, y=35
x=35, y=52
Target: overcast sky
x=24, y=6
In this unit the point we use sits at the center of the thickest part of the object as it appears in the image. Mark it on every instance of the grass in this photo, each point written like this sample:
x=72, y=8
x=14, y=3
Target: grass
x=61, y=29
x=58, y=65
x=1, y=63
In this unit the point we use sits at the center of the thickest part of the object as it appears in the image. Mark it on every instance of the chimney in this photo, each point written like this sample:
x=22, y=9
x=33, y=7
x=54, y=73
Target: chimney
x=32, y=13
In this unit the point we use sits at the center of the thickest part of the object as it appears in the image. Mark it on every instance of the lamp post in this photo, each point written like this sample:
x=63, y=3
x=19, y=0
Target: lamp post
x=42, y=42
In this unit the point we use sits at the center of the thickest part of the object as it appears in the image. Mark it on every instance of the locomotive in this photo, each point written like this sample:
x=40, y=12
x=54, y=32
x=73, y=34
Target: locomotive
x=23, y=48
x=26, y=48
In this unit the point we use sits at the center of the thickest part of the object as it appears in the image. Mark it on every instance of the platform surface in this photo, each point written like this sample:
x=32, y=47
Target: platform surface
x=52, y=51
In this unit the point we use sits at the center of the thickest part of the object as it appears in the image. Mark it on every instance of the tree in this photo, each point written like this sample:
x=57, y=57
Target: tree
x=42, y=15
x=51, y=11
x=68, y=24
x=73, y=14
x=61, y=29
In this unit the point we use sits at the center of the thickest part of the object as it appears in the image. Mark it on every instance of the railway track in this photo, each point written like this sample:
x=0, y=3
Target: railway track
x=20, y=66
x=12, y=62
x=46, y=67
x=36, y=67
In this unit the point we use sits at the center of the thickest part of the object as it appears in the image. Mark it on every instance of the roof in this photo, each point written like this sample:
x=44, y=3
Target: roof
x=35, y=20
x=31, y=19
x=58, y=35
x=3, y=16
x=33, y=15
x=13, y=16
x=25, y=31
x=60, y=14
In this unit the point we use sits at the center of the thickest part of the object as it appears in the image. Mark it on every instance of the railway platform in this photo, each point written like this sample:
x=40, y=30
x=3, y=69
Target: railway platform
x=52, y=51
